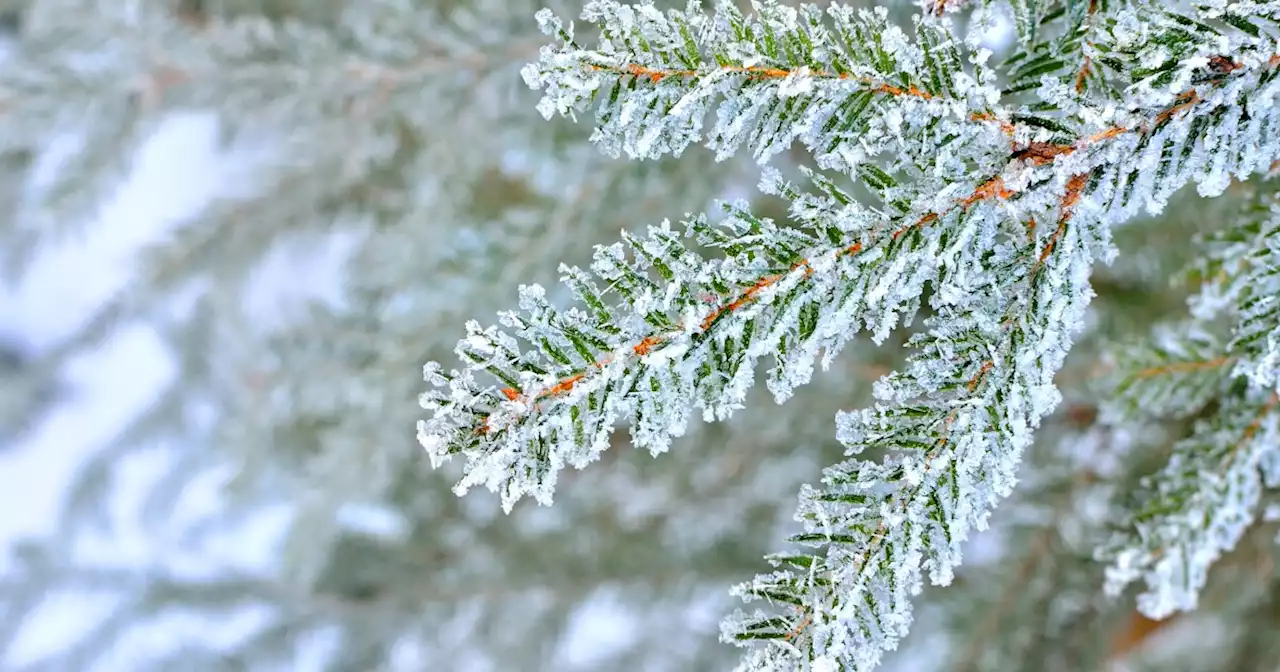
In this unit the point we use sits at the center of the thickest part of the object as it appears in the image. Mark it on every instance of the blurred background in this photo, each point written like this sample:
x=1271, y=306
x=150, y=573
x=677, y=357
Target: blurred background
x=233, y=231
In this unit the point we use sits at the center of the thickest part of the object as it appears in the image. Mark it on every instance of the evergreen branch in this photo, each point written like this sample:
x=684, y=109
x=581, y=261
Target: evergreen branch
x=1198, y=506
x=989, y=190
x=670, y=339
x=1240, y=275
x=1007, y=298
x=783, y=75
x=880, y=626
x=1144, y=47
x=761, y=73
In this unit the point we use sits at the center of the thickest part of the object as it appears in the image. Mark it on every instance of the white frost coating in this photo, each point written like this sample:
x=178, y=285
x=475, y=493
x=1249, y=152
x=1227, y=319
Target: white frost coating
x=798, y=83
x=665, y=355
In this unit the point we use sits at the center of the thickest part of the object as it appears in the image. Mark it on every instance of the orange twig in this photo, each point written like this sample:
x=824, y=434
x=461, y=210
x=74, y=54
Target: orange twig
x=1040, y=153
x=977, y=378
x=758, y=72
x=1183, y=367
x=1087, y=65
x=1084, y=73
x=643, y=347
x=1257, y=421
x=1006, y=126
x=795, y=632
x=1188, y=98
x=993, y=188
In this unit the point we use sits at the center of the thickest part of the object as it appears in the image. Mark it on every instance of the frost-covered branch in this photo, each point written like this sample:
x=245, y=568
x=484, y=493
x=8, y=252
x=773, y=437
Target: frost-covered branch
x=1201, y=503
x=1001, y=209
x=843, y=84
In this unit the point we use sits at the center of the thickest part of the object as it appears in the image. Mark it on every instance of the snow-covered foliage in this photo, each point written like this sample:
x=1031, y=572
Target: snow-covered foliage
x=994, y=190
x=1199, y=506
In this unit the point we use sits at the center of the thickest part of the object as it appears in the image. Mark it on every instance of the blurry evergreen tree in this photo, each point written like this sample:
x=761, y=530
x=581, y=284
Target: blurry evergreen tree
x=400, y=132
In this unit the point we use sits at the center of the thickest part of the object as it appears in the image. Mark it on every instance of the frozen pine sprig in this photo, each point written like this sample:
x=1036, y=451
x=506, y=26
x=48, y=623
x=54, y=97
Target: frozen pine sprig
x=1229, y=334
x=844, y=84
x=987, y=192
x=661, y=329
x=1199, y=506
